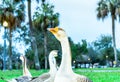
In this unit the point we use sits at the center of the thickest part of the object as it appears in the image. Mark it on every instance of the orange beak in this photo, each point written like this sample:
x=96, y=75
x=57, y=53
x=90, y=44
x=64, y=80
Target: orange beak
x=53, y=30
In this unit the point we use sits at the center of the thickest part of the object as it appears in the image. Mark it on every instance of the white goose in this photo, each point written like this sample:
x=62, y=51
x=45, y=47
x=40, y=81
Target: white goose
x=26, y=77
x=65, y=72
x=25, y=69
x=49, y=77
x=53, y=66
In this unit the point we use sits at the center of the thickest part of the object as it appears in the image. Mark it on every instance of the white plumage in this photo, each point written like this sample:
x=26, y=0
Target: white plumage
x=65, y=72
x=49, y=77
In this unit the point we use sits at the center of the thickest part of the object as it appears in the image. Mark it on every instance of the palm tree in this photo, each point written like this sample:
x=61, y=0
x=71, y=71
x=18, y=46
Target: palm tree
x=14, y=15
x=106, y=7
x=33, y=40
x=44, y=18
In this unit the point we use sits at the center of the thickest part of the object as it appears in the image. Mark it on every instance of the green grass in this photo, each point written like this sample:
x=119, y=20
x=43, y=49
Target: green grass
x=96, y=75
x=101, y=76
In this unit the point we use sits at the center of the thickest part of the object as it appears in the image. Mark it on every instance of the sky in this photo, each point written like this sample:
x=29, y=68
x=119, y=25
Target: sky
x=78, y=18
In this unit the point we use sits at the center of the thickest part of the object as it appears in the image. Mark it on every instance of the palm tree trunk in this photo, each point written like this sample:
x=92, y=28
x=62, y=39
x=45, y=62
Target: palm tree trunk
x=45, y=48
x=114, y=42
x=10, y=49
x=45, y=38
x=33, y=41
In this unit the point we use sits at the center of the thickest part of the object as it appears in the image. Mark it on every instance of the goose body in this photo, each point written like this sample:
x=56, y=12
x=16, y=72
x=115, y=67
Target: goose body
x=20, y=79
x=49, y=77
x=65, y=72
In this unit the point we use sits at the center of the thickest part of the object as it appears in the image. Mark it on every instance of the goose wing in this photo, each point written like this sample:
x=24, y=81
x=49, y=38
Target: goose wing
x=81, y=78
x=41, y=78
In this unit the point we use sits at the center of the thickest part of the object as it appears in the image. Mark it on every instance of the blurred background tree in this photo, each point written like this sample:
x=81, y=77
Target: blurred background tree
x=30, y=30
x=13, y=13
x=44, y=18
x=112, y=7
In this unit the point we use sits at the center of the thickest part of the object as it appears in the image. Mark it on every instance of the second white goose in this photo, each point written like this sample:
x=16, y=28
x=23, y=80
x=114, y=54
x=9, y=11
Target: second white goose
x=49, y=77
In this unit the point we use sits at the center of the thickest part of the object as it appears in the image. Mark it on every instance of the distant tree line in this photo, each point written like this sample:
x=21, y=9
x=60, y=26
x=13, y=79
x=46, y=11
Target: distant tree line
x=39, y=42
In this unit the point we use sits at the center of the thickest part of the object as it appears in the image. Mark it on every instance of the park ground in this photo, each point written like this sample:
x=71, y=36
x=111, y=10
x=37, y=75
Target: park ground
x=95, y=74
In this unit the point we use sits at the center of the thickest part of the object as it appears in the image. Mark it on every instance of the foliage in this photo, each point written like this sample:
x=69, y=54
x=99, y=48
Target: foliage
x=78, y=50
x=104, y=46
x=53, y=44
x=1, y=49
x=45, y=17
x=106, y=7
x=93, y=55
x=105, y=41
x=13, y=14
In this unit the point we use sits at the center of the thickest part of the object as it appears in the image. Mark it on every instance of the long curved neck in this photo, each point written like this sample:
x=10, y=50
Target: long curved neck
x=25, y=69
x=24, y=66
x=52, y=63
x=66, y=56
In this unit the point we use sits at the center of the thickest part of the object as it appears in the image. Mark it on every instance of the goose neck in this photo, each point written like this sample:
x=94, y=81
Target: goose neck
x=52, y=63
x=66, y=55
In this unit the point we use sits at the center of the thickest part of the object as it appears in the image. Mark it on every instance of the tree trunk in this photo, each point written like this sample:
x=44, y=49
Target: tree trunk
x=44, y=30
x=4, y=56
x=10, y=49
x=45, y=48
x=33, y=41
x=114, y=42
x=45, y=39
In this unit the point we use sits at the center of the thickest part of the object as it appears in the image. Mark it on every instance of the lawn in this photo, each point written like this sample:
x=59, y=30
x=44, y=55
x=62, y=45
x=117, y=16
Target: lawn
x=96, y=75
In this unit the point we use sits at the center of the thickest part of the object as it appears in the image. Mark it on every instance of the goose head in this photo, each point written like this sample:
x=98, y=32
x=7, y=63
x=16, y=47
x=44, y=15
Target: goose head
x=59, y=33
x=22, y=58
x=54, y=53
